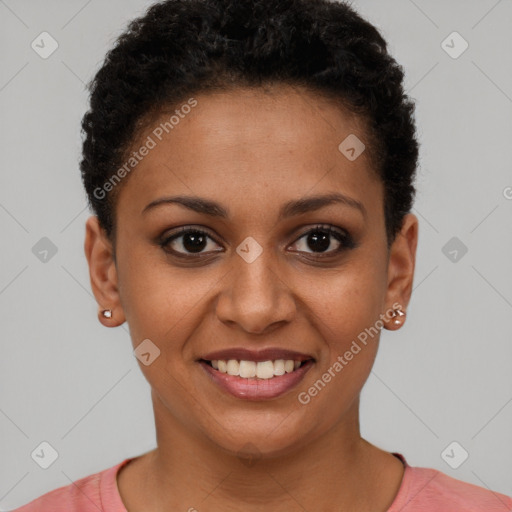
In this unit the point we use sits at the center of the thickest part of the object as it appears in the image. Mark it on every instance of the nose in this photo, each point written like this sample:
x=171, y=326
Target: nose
x=254, y=297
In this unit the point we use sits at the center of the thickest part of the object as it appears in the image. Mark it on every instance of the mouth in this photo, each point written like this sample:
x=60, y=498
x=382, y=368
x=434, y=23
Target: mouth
x=256, y=376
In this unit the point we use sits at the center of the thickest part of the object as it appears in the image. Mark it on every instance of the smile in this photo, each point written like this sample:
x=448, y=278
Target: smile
x=256, y=380
x=252, y=369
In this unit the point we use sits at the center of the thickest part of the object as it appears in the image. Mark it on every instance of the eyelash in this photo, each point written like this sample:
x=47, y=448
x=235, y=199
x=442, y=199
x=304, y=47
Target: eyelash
x=345, y=239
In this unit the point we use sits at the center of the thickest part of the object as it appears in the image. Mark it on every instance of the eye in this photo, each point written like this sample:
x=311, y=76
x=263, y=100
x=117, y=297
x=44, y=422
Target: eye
x=188, y=241
x=320, y=239
x=323, y=240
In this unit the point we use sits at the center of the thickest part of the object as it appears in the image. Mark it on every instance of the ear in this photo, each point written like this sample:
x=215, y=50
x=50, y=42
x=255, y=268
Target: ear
x=103, y=273
x=402, y=259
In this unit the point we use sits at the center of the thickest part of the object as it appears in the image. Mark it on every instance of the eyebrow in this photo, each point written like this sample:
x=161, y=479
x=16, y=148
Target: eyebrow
x=289, y=209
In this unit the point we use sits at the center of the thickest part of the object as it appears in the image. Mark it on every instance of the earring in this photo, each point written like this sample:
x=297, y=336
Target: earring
x=107, y=313
x=397, y=315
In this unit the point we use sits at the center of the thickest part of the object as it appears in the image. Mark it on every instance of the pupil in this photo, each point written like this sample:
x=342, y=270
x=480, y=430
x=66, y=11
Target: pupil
x=319, y=238
x=194, y=242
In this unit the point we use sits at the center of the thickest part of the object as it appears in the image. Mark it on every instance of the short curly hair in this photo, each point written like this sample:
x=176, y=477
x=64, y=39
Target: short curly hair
x=183, y=47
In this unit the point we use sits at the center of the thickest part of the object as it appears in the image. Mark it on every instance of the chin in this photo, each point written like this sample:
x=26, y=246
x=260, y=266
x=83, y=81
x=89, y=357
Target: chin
x=263, y=437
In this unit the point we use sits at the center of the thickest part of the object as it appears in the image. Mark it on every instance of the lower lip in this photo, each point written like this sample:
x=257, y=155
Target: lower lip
x=257, y=389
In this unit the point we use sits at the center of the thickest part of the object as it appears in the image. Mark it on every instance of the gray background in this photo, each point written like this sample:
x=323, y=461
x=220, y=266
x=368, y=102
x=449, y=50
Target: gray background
x=444, y=377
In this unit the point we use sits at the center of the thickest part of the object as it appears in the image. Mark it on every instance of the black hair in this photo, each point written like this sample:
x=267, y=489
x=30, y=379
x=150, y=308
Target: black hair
x=184, y=47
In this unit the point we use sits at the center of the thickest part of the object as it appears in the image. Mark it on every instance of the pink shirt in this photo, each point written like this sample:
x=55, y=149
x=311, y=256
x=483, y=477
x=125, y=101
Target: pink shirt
x=421, y=490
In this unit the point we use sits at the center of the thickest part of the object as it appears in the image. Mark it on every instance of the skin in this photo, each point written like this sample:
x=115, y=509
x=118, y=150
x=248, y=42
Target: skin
x=251, y=151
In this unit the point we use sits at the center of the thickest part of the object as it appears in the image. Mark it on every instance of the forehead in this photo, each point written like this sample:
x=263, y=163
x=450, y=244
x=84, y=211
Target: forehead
x=263, y=144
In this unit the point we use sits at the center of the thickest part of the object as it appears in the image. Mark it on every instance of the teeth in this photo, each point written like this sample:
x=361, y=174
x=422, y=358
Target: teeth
x=279, y=367
x=247, y=369
x=265, y=370
x=288, y=366
x=251, y=369
x=233, y=367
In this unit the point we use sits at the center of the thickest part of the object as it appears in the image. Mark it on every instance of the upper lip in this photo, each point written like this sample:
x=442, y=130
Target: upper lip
x=266, y=354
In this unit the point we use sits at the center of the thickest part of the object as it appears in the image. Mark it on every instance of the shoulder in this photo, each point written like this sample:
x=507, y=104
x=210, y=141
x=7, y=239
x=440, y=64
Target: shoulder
x=426, y=489
x=88, y=494
x=80, y=495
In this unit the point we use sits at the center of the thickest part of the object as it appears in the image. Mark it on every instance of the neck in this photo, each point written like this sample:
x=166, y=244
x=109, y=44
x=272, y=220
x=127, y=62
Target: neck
x=188, y=471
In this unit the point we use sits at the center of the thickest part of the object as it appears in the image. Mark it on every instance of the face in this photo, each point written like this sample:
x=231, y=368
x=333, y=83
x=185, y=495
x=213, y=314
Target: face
x=253, y=265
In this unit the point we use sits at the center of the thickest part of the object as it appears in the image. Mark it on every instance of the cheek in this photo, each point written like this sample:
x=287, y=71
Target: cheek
x=160, y=302
x=344, y=317
x=347, y=301
x=346, y=310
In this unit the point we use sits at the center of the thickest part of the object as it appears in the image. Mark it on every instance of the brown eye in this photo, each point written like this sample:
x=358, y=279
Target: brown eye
x=325, y=240
x=188, y=241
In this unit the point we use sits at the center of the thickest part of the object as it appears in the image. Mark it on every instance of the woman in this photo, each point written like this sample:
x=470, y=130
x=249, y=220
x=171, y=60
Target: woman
x=251, y=166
